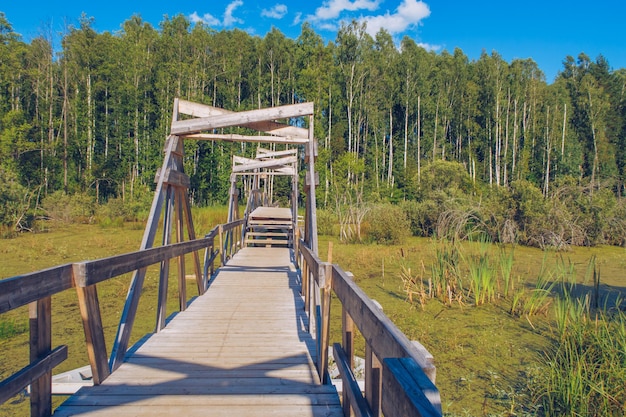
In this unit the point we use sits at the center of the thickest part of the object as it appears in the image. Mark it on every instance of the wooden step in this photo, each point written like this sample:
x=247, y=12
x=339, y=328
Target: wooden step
x=269, y=221
x=272, y=234
x=266, y=242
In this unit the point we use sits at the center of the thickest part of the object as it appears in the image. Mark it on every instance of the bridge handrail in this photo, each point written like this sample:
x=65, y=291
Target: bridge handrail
x=383, y=341
x=37, y=288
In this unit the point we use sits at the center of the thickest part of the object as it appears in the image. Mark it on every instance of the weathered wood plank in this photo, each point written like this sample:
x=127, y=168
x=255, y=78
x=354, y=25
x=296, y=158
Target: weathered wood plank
x=92, y=272
x=191, y=126
x=94, y=332
x=202, y=110
x=24, y=289
x=406, y=389
x=351, y=390
x=283, y=140
x=20, y=380
x=209, y=400
x=269, y=164
x=201, y=411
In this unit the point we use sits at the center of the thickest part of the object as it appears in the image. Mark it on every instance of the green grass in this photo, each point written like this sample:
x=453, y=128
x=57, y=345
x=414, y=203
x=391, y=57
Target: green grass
x=489, y=361
x=487, y=358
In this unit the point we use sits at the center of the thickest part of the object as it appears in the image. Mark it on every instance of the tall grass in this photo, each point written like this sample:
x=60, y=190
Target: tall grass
x=585, y=368
x=482, y=278
x=445, y=281
x=506, y=269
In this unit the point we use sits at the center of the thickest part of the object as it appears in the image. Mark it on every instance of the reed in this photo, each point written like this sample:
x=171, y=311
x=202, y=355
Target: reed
x=585, y=370
x=446, y=281
x=506, y=269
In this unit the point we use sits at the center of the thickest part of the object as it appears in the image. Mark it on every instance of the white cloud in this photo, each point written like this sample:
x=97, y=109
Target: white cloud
x=408, y=13
x=297, y=19
x=229, y=19
x=277, y=12
x=331, y=9
x=206, y=19
x=429, y=47
x=210, y=20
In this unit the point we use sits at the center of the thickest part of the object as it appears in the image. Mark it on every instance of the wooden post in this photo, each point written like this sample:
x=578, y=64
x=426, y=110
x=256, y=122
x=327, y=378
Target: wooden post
x=347, y=325
x=373, y=378
x=200, y=280
x=327, y=272
x=40, y=318
x=94, y=332
x=182, y=284
x=222, y=254
x=165, y=264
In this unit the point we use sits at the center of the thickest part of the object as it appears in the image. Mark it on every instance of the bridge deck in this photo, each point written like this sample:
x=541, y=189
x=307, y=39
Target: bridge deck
x=240, y=349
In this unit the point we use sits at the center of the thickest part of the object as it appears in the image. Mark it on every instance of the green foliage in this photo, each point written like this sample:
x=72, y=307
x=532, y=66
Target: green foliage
x=12, y=195
x=326, y=221
x=75, y=208
x=584, y=370
x=388, y=224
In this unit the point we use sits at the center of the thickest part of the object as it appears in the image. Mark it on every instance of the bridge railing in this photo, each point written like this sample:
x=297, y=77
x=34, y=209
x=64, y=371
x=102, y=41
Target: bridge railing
x=37, y=288
x=399, y=374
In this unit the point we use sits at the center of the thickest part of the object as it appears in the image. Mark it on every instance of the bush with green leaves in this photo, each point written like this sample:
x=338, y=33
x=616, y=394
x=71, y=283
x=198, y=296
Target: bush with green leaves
x=69, y=208
x=12, y=194
x=388, y=224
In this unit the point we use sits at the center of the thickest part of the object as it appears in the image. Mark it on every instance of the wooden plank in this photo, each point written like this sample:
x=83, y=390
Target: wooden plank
x=173, y=177
x=192, y=410
x=16, y=383
x=92, y=272
x=269, y=164
x=351, y=388
x=406, y=390
x=266, y=153
x=209, y=400
x=191, y=126
x=24, y=289
x=40, y=322
x=94, y=332
x=281, y=140
x=203, y=110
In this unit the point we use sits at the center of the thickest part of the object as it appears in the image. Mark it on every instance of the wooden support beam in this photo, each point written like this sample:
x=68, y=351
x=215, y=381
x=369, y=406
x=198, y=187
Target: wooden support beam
x=273, y=163
x=16, y=383
x=24, y=289
x=266, y=153
x=40, y=320
x=182, y=284
x=173, y=177
x=406, y=390
x=353, y=399
x=191, y=126
x=202, y=110
x=286, y=140
x=94, y=332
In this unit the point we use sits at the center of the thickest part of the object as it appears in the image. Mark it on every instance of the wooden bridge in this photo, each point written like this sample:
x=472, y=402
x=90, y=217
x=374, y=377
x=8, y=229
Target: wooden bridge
x=255, y=341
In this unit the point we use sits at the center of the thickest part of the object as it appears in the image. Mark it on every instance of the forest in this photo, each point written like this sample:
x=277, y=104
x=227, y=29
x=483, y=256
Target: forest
x=451, y=146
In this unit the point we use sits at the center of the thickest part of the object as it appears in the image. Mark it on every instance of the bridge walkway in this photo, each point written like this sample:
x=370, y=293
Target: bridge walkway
x=241, y=349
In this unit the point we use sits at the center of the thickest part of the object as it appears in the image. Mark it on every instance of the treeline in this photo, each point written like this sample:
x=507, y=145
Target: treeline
x=90, y=115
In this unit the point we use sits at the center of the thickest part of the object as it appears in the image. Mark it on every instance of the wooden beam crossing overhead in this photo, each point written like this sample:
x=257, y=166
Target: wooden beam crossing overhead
x=288, y=140
x=262, y=153
x=271, y=127
x=244, y=118
x=270, y=164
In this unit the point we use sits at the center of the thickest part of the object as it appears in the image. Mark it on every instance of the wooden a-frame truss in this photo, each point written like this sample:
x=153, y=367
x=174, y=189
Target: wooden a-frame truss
x=196, y=121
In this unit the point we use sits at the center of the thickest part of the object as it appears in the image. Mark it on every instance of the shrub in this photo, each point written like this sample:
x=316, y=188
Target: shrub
x=66, y=208
x=326, y=222
x=11, y=195
x=388, y=224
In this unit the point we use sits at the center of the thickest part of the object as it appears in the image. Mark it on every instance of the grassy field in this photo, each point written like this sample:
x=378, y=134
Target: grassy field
x=487, y=355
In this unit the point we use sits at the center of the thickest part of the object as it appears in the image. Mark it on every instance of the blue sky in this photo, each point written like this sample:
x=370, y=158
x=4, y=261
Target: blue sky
x=546, y=31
